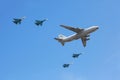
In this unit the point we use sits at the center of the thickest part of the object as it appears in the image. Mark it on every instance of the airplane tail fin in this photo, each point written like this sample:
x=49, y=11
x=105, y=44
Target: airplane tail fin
x=61, y=36
x=60, y=40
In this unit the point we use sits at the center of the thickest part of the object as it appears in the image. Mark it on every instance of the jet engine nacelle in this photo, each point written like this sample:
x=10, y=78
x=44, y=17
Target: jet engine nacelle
x=87, y=36
x=87, y=39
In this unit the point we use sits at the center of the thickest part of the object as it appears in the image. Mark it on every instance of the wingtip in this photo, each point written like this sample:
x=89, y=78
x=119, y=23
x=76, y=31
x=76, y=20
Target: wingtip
x=55, y=38
x=46, y=19
x=80, y=53
x=61, y=25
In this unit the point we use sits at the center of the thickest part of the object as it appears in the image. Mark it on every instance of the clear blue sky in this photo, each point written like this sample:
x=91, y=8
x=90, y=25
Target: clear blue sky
x=28, y=52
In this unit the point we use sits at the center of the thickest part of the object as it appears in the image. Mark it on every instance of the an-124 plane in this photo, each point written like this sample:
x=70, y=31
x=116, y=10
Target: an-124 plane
x=80, y=33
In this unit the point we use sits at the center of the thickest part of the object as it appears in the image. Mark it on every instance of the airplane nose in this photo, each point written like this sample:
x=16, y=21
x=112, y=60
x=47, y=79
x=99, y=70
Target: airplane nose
x=97, y=27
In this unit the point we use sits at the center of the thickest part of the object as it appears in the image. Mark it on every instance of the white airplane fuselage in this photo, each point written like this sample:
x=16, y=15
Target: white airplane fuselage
x=79, y=35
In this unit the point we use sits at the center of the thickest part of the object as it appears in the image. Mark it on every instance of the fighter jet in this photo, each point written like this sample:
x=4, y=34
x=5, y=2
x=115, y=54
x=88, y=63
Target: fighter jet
x=18, y=20
x=66, y=65
x=79, y=33
x=76, y=55
x=40, y=22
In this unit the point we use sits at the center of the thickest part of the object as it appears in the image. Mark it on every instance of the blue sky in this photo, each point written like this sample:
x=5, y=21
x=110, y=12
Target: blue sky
x=28, y=52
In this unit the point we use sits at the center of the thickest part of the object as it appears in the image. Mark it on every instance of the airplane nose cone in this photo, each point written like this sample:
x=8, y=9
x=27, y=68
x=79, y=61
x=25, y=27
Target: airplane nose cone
x=97, y=27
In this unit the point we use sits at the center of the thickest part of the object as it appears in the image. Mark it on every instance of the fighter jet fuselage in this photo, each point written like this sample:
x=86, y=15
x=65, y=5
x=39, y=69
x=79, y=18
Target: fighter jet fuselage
x=18, y=20
x=66, y=65
x=76, y=55
x=40, y=22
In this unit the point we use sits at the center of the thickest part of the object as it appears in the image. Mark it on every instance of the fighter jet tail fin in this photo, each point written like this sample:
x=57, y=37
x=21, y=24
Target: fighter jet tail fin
x=60, y=40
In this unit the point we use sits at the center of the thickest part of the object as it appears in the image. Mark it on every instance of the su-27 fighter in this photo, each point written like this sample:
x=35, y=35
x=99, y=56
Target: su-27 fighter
x=79, y=33
x=40, y=22
x=18, y=20
x=76, y=55
x=66, y=65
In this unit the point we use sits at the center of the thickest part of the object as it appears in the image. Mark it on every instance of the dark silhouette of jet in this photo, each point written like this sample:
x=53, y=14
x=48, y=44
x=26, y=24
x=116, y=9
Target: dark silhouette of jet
x=40, y=22
x=66, y=65
x=76, y=55
x=18, y=20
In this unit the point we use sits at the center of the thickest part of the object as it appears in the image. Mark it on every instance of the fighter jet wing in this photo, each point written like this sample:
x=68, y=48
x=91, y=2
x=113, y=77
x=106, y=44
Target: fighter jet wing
x=15, y=19
x=37, y=20
x=84, y=41
x=77, y=30
x=19, y=22
x=15, y=22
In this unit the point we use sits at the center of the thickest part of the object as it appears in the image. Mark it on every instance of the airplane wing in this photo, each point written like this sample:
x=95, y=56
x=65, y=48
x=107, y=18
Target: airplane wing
x=84, y=41
x=77, y=30
x=15, y=22
x=19, y=22
x=15, y=19
x=37, y=21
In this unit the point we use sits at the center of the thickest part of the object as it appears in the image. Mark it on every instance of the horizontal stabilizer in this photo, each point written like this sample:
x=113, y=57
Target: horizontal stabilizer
x=60, y=40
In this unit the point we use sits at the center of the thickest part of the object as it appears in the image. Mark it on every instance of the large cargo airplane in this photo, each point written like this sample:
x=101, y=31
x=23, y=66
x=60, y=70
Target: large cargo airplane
x=79, y=33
